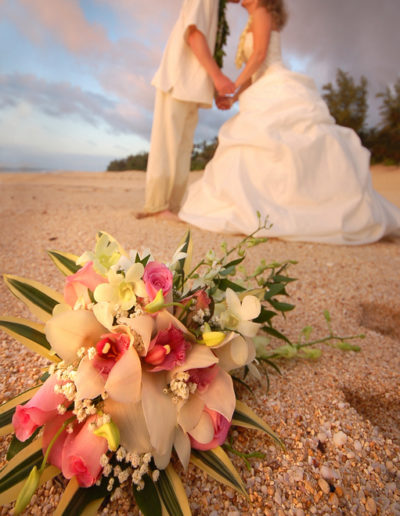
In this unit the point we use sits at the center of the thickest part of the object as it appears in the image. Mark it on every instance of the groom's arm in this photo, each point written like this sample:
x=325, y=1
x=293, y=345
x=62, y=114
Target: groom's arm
x=198, y=44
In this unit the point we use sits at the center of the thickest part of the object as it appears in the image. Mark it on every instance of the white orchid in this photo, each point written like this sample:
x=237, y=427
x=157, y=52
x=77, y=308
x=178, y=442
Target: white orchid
x=178, y=255
x=125, y=262
x=239, y=315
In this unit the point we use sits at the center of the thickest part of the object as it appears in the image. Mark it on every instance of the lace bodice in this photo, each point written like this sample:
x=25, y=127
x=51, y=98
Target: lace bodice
x=273, y=55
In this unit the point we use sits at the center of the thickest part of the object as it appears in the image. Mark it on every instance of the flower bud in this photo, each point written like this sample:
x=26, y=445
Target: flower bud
x=157, y=303
x=27, y=490
x=312, y=354
x=346, y=346
x=213, y=338
x=110, y=432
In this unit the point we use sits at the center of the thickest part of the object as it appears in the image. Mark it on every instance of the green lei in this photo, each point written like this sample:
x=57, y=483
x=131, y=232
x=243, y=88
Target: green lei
x=222, y=34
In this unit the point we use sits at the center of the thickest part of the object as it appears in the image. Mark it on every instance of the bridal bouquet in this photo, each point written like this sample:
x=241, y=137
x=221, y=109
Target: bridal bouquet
x=142, y=356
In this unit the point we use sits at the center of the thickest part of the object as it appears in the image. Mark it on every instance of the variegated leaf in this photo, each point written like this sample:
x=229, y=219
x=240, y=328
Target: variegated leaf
x=81, y=501
x=13, y=475
x=147, y=499
x=217, y=464
x=65, y=262
x=172, y=493
x=11, y=494
x=244, y=416
x=30, y=334
x=38, y=298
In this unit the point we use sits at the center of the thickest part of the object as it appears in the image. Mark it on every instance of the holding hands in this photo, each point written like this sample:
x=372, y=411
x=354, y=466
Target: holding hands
x=224, y=102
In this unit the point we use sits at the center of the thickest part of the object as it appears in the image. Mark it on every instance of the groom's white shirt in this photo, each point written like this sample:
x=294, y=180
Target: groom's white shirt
x=180, y=73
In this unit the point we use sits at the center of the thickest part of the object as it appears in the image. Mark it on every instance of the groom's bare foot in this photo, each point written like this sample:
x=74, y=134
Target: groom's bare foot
x=163, y=214
x=168, y=215
x=143, y=215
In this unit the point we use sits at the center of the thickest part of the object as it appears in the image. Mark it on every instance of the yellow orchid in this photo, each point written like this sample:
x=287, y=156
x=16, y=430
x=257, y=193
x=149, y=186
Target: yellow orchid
x=105, y=255
x=122, y=289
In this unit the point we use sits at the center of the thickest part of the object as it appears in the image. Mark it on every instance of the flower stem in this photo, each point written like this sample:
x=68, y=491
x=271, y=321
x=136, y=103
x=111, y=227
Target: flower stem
x=55, y=437
x=244, y=456
x=326, y=339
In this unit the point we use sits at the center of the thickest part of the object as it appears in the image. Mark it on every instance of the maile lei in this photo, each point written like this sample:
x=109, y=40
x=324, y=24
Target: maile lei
x=222, y=34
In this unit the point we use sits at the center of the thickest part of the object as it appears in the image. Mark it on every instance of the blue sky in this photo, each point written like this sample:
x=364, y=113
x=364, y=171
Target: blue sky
x=75, y=75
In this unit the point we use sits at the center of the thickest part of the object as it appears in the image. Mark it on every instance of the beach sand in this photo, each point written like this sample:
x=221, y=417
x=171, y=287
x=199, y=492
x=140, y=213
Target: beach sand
x=339, y=416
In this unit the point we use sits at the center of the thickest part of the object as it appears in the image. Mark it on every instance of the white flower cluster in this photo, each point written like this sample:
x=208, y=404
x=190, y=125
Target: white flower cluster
x=199, y=316
x=132, y=465
x=66, y=374
x=180, y=387
x=84, y=409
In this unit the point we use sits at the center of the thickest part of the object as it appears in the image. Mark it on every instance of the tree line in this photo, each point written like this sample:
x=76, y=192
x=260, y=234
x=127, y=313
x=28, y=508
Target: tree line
x=347, y=103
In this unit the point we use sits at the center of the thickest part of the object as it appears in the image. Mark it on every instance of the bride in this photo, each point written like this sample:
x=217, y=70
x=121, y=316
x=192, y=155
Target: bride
x=283, y=156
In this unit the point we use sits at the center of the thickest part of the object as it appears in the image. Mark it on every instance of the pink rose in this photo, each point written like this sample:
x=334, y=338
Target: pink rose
x=81, y=454
x=49, y=431
x=78, y=284
x=167, y=350
x=221, y=427
x=40, y=409
x=109, y=350
x=157, y=276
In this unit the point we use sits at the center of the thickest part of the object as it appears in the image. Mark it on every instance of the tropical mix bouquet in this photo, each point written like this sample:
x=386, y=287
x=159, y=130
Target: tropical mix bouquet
x=142, y=357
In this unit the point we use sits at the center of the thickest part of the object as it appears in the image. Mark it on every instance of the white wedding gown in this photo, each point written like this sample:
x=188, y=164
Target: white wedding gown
x=284, y=156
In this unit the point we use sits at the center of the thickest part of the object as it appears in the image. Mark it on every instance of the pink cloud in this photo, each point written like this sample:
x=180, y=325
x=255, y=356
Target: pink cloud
x=66, y=21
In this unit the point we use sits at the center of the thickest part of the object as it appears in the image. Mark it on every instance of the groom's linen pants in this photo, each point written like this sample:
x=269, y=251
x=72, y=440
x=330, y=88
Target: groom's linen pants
x=171, y=145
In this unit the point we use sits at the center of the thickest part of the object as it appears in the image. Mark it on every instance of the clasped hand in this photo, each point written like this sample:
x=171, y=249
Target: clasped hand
x=224, y=102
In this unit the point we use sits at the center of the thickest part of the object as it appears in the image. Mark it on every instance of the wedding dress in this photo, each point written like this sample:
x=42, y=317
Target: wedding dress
x=284, y=156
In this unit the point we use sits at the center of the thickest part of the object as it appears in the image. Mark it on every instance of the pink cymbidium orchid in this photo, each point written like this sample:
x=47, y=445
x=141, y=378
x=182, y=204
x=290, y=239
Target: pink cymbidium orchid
x=214, y=390
x=235, y=351
x=115, y=369
x=167, y=350
x=70, y=330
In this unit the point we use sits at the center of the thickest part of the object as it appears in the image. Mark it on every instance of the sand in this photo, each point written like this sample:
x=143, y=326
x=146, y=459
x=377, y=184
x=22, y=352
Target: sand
x=310, y=406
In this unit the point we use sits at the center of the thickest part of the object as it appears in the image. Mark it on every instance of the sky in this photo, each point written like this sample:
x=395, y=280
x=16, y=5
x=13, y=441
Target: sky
x=75, y=75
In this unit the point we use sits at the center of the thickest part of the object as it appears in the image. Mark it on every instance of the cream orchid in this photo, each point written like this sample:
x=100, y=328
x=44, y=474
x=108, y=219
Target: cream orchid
x=106, y=254
x=70, y=330
x=122, y=289
x=235, y=351
x=239, y=315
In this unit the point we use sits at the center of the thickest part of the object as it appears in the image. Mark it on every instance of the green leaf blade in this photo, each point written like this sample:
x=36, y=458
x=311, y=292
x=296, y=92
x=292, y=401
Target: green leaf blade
x=217, y=464
x=244, y=416
x=172, y=493
x=147, y=499
x=40, y=299
x=65, y=262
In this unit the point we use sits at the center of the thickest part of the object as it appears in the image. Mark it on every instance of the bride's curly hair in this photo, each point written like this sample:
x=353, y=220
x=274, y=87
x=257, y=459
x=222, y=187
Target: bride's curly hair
x=277, y=10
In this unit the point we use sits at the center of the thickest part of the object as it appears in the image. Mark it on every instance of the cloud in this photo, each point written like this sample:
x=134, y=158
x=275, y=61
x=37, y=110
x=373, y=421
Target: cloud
x=359, y=36
x=63, y=100
x=65, y=21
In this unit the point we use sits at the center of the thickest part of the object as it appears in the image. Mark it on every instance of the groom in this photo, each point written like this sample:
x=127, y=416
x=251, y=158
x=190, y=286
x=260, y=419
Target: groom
x=185, y=81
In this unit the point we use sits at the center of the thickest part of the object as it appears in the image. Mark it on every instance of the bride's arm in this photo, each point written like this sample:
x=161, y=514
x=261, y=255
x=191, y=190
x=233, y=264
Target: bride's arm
x=261, y=26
